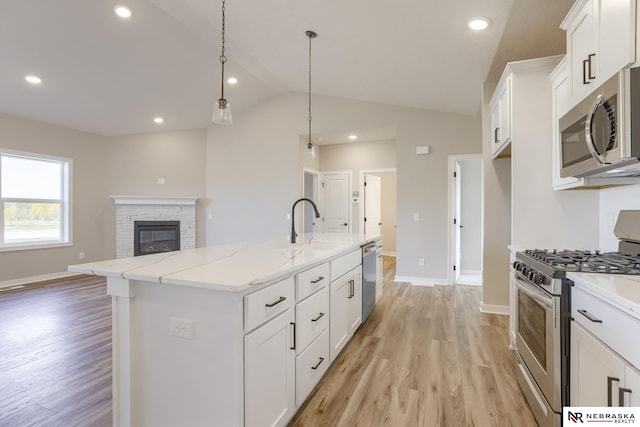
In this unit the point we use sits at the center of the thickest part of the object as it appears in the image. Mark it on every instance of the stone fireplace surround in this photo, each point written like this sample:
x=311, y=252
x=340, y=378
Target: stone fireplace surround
x=142, y=208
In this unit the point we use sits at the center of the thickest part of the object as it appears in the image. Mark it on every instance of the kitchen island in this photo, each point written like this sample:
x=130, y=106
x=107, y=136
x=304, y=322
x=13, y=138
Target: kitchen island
x=229, y=335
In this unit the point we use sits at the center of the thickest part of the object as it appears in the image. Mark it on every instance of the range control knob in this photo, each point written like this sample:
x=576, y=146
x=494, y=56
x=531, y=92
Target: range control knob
x=531, y=274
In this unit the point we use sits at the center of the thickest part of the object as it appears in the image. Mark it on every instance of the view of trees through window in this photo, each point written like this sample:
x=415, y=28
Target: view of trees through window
x=28, y=222
x=33, y=193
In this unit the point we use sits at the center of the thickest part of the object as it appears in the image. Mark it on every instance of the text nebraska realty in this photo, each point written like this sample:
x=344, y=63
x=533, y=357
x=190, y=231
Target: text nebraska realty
x=582, y=417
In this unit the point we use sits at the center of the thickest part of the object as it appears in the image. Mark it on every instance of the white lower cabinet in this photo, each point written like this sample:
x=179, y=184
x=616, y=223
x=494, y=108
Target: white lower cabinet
x=311, y=365
x=269, y=365
x=346, y=309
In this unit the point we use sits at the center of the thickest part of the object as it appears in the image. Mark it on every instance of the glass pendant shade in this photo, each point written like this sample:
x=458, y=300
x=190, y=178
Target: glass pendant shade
x=311, y=150
x=222, y=112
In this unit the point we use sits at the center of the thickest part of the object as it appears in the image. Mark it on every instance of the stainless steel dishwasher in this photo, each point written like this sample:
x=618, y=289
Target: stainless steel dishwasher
x=369, y=270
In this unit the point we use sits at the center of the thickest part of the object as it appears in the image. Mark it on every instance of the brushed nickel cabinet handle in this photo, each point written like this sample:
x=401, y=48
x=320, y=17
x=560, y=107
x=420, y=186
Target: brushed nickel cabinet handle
x=318, y=279
x=276, y=303
x=621, y=392
x=589, y=316
x=318, y=364
x=584, y=72
x=610, y=381
x=320, y=316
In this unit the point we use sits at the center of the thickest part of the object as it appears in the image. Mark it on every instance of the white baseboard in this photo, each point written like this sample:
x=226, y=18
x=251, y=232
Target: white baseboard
x=421, y=281
x=384, y=253
x=471, y=272
x=17, y=283
x=494, y=309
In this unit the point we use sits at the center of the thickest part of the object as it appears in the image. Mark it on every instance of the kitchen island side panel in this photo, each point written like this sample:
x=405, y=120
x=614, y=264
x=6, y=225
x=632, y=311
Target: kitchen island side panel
x=181, y=381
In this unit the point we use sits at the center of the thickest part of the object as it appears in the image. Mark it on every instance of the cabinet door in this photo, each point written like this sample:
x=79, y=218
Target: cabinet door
x=355, y=302
x=269, y=365
x=580, y=44
x=631, y=396
x=617, y=30
x=339, y=319
x=505, y=112
x=596, y=372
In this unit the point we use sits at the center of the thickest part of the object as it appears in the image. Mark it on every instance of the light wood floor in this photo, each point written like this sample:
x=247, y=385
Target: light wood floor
x=425, y=357
x=55, y=355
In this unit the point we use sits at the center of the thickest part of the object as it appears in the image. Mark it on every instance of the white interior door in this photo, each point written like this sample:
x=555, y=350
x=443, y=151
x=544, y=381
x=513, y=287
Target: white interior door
x=372, y=204
x=336, y=203
x=457, y=220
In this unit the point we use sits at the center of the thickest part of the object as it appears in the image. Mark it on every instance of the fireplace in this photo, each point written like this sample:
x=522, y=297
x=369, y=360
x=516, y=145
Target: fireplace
x=150, y=237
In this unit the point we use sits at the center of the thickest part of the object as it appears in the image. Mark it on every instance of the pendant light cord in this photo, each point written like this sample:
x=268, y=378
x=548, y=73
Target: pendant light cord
x=311, y=35
x=223, y=58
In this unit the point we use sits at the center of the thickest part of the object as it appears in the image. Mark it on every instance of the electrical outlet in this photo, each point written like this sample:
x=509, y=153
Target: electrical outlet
x=161, y=181
x=416, y=217
x=81, y=255
x=182, y=328
x=421, y=262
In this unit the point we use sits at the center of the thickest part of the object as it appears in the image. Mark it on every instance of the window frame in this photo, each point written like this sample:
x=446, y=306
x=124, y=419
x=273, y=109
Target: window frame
x=65, y=201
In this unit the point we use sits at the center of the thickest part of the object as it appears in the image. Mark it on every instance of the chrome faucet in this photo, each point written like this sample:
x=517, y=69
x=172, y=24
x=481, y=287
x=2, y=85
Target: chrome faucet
x=293, y=228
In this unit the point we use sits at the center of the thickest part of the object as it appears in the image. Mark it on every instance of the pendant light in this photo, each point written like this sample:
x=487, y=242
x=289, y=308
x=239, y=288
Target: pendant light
x=222, y=109
x=311, y=150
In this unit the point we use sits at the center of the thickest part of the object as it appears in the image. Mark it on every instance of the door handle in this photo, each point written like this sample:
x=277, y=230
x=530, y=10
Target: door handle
x=584, y=72
x=318, y=318
x=610, y=381
x=318, y=364
x=590, y=57
x=589, y=316
x=294, y=337
x=621, y=392
x=345, y=224
x=495, y=135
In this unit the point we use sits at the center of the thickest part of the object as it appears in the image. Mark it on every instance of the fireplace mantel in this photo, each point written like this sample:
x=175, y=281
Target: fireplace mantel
x=154, y=200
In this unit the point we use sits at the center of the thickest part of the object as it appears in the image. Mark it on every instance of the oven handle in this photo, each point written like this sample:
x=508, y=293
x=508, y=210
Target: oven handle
x=535, y=295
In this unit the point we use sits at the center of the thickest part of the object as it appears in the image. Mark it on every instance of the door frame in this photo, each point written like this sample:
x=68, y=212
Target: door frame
x=349, y=174
x=451, y=247
x=362, y=173
x=318, y=177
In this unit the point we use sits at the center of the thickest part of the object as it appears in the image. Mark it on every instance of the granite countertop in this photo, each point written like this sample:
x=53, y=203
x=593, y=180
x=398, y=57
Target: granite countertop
x=621, y=291
x=233, y=267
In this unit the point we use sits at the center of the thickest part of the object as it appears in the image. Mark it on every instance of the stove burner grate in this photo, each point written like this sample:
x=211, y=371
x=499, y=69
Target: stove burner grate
x=588, y=261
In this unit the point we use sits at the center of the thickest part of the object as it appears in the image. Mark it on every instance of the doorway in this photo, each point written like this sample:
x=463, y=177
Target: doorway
x=310, y=179
x=465, y=219
x=383, y=205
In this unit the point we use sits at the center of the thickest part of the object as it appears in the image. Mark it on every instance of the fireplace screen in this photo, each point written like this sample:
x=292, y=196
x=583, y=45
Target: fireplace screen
x=150, y=237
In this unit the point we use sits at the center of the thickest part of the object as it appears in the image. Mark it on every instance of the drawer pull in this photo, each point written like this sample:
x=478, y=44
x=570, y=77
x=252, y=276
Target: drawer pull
x=320, y=316
x=275, y=303
x=318, y=364
x=610, y=380
x=621, y=392
x=317, y=280
x=294, y=336
x=589, y=316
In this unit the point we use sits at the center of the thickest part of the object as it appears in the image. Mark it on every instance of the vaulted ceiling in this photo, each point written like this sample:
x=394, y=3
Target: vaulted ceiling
x=110, y=76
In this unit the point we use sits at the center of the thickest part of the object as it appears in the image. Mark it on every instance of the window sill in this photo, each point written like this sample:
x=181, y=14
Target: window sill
x=27, y=247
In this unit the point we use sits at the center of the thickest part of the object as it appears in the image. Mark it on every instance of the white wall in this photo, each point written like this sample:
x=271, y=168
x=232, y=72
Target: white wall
x=612, y=201
x=254, y=172
x=471, y=215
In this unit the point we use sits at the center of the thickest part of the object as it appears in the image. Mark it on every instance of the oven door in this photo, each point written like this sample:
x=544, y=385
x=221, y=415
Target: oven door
x=538, y=338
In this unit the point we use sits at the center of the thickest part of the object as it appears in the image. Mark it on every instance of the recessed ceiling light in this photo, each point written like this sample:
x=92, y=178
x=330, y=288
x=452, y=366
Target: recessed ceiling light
x=33, y=79
x=122, y=11
x=478, y=23
x=158, y=120
x=232, y=80
x=353, y=137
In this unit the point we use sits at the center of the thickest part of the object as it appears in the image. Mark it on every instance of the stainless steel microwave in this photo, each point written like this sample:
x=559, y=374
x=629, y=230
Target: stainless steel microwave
x=600, y=137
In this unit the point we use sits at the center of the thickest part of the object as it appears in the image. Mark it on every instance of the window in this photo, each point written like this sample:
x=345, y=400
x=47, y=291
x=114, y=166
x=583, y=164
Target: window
x=34, y=193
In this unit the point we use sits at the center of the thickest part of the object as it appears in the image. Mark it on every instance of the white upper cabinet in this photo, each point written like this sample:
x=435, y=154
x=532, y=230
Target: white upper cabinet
x=500, y=105
x=601, y=38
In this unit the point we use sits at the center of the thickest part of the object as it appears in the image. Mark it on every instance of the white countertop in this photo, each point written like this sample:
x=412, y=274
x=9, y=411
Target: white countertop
x=622, y=291
x=233, y=267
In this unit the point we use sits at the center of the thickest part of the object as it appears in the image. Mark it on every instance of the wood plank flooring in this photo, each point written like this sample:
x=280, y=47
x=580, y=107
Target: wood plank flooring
x=55, y=355
x=425, y=357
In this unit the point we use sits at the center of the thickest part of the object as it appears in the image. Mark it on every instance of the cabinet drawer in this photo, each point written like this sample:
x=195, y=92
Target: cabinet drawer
x=607, y=323
x=311, y=365
x=345, y=263
x=311, y=280
x=267, y=303
x=312, y=317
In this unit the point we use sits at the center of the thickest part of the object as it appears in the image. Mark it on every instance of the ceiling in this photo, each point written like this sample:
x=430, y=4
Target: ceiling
x=109, y=76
